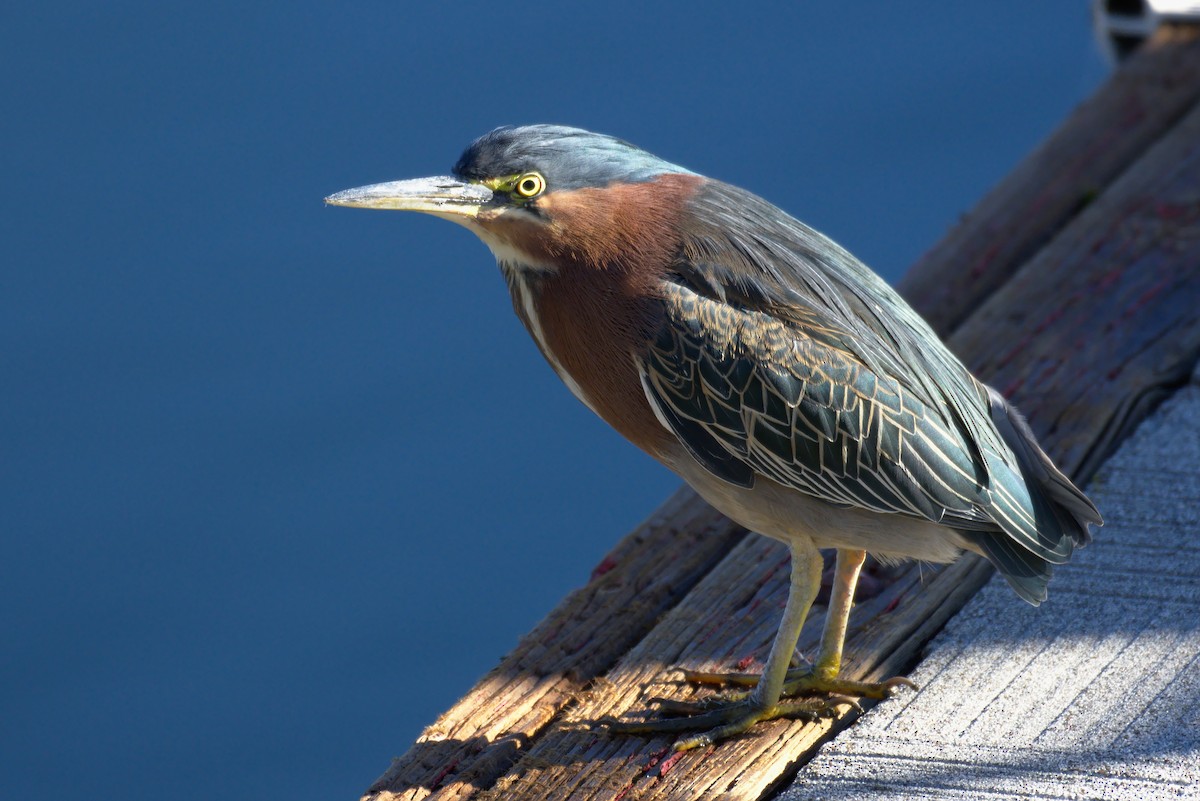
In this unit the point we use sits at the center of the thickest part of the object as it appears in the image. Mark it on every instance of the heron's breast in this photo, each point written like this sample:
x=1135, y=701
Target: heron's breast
x=591, y=333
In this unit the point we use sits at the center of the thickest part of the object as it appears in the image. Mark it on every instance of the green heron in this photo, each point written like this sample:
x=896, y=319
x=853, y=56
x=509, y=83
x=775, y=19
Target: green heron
x=769, y=368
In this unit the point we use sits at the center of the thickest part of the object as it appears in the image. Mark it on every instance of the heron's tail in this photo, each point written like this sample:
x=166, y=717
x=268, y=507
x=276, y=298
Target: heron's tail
x=1061, y=512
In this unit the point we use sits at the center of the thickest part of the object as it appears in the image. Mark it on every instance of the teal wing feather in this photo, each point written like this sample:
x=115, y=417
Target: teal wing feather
x=770, y=398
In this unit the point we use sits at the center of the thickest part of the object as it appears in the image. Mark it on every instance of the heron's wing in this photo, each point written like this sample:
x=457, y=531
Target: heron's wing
x=752, y=395
x=740, y=249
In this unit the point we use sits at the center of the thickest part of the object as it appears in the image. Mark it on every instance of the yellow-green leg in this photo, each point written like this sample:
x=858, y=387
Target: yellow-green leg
x=734, y=712
x=841, y=599
x=734, y=715
x=823, y=675
x=805, y=583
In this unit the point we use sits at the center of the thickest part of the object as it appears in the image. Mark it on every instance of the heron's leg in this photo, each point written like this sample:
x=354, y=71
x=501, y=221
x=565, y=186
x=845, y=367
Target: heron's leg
x=848, y=566
x=841, y=598
x=823, y=675
x=806, y=582
x=734, y=715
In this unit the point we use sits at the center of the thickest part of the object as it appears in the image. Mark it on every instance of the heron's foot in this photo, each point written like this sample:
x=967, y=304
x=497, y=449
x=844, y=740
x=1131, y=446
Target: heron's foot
x=804, y=681
x=728, y=715
x=736, y=708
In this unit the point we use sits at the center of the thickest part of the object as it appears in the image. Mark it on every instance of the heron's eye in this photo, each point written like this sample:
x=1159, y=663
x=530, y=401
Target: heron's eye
x=530, y=185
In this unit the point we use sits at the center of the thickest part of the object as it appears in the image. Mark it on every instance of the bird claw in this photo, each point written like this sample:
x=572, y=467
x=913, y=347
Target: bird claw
x=734, y=711
x=719, y=719
x=722, y=679
x=896, y=682
x=676, y=708
x=810, y=683
x=804, y=680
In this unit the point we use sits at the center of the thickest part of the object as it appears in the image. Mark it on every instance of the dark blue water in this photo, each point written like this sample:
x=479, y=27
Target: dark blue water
x=277, y=481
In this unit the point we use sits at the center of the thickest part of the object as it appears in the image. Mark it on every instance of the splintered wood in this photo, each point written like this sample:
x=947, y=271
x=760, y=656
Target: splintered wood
x=1073, y=288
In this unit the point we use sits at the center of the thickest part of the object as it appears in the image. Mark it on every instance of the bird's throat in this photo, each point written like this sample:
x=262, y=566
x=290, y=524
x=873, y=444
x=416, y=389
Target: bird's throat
x=525, y=286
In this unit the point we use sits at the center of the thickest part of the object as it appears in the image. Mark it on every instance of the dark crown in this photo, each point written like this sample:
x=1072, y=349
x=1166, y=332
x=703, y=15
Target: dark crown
x=568, y=158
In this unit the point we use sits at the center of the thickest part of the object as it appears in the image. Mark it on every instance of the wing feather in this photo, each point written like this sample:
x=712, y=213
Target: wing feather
x=802, y=413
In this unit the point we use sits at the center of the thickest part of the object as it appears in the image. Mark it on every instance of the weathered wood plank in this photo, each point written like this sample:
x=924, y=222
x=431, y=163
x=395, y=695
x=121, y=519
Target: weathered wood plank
x=1125, y=279
x=1129, y=327
x=1095, y=144
x=646, y=574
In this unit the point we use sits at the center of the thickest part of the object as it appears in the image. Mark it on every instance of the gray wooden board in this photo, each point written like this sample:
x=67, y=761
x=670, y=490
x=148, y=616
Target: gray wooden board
x=1094, y=695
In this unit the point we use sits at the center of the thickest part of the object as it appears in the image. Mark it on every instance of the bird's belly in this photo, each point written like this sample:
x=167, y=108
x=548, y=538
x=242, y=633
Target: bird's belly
x=786, y=514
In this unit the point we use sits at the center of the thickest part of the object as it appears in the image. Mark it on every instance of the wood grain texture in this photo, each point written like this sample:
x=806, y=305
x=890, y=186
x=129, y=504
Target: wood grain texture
x=1085, y=336
x=1085, y=154
x=646, y=574
x=1105, y=319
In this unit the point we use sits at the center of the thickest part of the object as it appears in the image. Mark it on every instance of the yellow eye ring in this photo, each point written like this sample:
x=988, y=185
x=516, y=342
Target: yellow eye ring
x=530, y=185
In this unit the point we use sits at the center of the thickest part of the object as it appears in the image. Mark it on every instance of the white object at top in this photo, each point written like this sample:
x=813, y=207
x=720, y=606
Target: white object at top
x=1122, y=25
